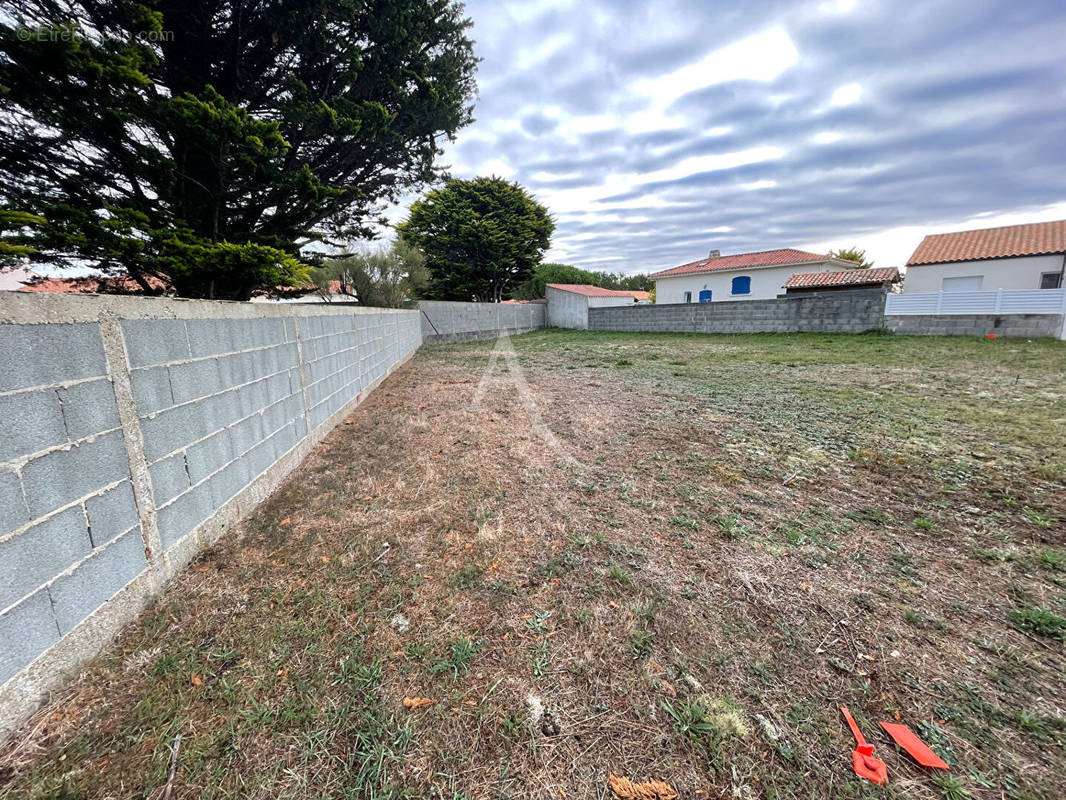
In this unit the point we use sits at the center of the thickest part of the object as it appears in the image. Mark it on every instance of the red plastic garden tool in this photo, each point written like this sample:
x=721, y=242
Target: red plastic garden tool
x=864, y=762
x=918, y=750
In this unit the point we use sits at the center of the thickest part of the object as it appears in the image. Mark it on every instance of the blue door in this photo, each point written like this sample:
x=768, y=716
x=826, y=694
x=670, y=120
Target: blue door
x=705, y=296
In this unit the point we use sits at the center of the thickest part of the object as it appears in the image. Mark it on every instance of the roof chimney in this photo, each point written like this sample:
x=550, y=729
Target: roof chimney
x=714, y=254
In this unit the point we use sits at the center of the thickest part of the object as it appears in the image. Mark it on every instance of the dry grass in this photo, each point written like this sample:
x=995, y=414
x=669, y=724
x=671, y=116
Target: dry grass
x=760, y=530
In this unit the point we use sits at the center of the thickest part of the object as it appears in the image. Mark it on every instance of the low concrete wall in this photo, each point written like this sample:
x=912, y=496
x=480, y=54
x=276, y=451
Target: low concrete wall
x=1006, y=325
x=838, y=312
x=447, y=321
x=135, y=432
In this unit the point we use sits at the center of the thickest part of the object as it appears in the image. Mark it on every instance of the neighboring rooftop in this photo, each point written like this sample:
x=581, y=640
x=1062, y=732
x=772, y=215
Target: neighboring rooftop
x=766, y=258
x=595, y=291
x=847, y=277
x=118, y=284
x=1036, y=238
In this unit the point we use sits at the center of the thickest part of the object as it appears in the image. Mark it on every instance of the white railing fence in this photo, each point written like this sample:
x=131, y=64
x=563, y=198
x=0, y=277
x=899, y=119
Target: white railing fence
x=1001, y=301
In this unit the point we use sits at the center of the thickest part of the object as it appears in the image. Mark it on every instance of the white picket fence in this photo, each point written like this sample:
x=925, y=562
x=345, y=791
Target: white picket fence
x=1002, y=301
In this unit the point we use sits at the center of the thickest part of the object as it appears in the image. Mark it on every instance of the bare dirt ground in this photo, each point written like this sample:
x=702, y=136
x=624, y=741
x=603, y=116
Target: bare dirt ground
x=754, y=531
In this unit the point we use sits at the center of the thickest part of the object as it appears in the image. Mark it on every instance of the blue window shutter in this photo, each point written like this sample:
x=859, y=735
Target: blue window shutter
x=705, y=296
x=742, y=285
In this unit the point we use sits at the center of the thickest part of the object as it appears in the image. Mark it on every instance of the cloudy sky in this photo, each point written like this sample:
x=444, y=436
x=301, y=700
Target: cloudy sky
x=655, y=131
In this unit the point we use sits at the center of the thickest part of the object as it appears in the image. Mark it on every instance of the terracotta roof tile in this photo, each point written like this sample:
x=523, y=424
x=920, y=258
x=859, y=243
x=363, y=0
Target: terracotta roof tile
x=1012, y=240
x=766, y=258
x=847, y=277
x=590, y=291
x=118, y=284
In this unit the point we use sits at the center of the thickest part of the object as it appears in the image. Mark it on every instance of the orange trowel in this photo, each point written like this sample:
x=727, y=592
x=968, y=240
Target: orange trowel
x=918, y=750
x=863, y=760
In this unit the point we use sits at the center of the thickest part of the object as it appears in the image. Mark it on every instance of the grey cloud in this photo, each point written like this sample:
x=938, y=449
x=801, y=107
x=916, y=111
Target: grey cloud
x=915, y=151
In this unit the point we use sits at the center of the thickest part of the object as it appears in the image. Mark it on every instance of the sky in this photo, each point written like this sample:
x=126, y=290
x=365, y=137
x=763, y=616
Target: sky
x=657, y=131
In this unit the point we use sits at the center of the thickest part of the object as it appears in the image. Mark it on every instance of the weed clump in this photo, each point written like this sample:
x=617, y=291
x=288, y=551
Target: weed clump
x=1039, y=621
x=709, y=722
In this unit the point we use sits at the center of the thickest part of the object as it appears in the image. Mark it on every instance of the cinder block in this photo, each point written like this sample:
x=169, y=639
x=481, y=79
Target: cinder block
x=26, y=630
x=319, y=414
x=169, y=478
x=208, y=337
x=183, y=514
x=155, y=341
x=209, y=456
x=246, y=434
x=276, y=417
x=111, y=513
x=294, y=381
x=260, y=365
x=35, y=556
x=151, y=390
x=265, y=332
x=59, y=477
x=251, y=398
x=220, y=410
x=260, y=458
x=89, y=408
x=40, y=355
x=236, y=369
x=172, y=429
x=225, y=484
x=195, y=379
x=271, y=361
x=32, y=421
x=96, y=580
x=13, y=513
x=277, y=387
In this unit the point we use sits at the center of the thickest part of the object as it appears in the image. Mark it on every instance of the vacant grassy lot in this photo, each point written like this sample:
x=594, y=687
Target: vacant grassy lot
x=756, y=530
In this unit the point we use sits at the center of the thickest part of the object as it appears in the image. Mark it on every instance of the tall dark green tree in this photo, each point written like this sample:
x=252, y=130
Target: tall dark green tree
x=481, y=237
x=534, y=286
x=208, y=143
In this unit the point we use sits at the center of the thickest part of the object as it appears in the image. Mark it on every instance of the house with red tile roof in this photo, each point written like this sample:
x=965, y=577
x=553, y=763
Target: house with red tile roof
x=92, y=284
x=741, y=276
x=843, y=281
x=1031, y=256
x=569, y=303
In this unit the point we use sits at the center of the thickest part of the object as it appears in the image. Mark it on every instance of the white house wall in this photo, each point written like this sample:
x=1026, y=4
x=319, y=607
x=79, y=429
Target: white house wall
x=766, y=283
x=996, y=273
x=603, y=302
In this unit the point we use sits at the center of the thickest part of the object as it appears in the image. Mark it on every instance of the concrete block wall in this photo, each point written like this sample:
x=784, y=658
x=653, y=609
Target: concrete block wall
x=69, y=529
x=1030, y=326
x=839, y=312
x=136, y=431
x=447, y=321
